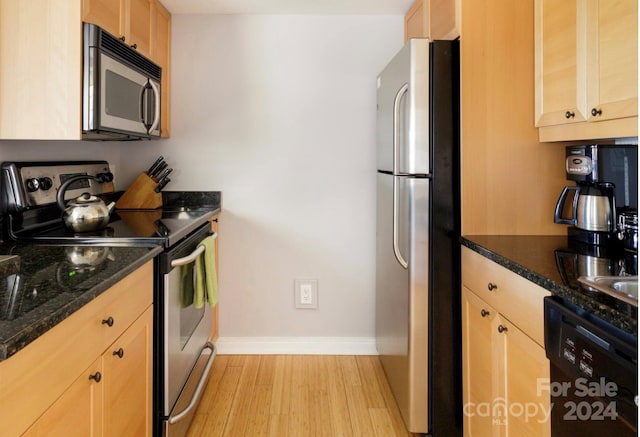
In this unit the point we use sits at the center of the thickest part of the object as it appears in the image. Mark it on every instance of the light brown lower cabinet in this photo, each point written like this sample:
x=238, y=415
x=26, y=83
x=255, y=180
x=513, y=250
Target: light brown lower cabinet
x=505, y=371
x=90, y=375
x=76, y=412
x=113, y=396
x=127, y=381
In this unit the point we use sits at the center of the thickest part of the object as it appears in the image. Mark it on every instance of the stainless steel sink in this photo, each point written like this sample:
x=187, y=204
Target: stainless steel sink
x=622, y=287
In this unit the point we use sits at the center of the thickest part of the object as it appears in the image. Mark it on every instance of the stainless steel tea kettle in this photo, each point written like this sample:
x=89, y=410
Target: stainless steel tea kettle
x=593, y=209
x=85, y=213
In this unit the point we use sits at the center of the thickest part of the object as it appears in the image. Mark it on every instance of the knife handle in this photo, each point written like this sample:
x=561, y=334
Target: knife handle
x=153, y=167
x=162, y=185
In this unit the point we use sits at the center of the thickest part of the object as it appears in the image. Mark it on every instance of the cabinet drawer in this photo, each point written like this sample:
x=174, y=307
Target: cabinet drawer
x=516, y=298
x=125, y=302
x=51, y=363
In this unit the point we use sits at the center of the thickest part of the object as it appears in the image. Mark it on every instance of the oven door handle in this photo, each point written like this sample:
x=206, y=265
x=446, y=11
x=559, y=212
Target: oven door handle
x=191, y=257
x=198, y=391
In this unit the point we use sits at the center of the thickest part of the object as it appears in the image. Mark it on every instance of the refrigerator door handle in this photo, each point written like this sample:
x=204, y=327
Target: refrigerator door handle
x=396, y=139
x=396, y=247
x=396, y=126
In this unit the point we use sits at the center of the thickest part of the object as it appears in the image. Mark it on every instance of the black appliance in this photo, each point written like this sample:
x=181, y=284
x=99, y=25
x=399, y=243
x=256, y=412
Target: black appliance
x=607, y=184
x=183, y=354
x=594, y=373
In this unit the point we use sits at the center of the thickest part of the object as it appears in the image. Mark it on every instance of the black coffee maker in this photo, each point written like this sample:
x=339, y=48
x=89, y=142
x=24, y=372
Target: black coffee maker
x=606, y=185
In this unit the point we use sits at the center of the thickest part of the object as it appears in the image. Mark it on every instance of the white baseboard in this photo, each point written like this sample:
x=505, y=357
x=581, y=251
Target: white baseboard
x=296, y=346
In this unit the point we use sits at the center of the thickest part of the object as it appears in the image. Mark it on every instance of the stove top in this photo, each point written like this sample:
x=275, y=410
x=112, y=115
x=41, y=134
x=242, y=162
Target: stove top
x=140, y=228
x=32, y=215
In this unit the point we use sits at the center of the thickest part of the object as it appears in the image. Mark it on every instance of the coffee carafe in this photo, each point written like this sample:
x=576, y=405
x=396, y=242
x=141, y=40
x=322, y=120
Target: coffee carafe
x=593, y=213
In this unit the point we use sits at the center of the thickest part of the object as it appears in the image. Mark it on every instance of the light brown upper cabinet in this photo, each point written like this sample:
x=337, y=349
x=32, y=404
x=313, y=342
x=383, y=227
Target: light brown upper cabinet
x=104, y=13
x=586, y=65
x=144, y=25
x=433, y=19
x=129, y=20
x=41, y=42
x=161, y=54
x=137, y=25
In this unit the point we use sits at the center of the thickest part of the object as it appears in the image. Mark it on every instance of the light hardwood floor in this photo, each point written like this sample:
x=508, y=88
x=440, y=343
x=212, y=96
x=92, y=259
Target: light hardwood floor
x=297, y=396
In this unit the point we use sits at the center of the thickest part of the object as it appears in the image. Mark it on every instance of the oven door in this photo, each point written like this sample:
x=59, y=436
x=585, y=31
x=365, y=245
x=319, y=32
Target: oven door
x=187, y=354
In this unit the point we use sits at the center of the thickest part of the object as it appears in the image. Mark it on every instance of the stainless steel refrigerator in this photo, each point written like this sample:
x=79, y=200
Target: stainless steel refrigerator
x=418, y=230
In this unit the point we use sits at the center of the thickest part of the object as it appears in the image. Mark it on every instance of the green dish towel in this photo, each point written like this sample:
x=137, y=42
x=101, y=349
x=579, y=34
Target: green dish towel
x=206, y=289
x=186, y=287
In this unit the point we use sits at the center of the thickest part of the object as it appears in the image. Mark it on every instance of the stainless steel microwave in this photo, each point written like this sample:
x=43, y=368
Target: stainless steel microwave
x=120, y=90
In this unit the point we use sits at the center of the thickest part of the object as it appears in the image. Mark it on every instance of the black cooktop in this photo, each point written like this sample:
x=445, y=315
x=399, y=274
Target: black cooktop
x=141, y=228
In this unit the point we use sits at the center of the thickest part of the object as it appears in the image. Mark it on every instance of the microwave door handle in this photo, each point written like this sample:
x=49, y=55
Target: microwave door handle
x=156, y=118
x=143, y=105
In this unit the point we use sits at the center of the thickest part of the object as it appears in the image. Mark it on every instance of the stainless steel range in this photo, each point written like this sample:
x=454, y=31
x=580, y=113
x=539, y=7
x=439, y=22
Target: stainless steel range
x=183, y=353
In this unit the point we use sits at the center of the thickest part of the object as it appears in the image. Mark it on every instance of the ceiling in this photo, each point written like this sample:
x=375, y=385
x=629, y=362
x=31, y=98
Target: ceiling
x=303, y=7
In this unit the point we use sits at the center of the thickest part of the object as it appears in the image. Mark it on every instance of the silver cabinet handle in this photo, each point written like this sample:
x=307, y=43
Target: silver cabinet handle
x=201, y=383
x=191, y=257
x=396, y=139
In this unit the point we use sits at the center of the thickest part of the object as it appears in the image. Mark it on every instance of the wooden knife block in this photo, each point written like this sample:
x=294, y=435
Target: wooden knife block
x=140, y=195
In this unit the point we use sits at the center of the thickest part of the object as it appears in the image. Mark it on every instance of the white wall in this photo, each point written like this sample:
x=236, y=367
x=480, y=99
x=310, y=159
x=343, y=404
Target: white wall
x=278, y=113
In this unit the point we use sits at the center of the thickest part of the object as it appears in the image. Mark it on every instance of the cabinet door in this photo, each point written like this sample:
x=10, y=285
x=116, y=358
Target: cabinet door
x=433, y=19
x=560, y=62
x=444, y=20
x=612, y=59
x=415, y=21
x=127, y=380
x=523, y=380
x=479, y=388
x=161, y=55
x=104, y=13
x=137, y=18
x=78, y=412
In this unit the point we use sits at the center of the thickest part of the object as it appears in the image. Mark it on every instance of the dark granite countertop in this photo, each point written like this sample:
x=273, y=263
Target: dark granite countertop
x=554, y=264
x=44, y=287
x=40, y=286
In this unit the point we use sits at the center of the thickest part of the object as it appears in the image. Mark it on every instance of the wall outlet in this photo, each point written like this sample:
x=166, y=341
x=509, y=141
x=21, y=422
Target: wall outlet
x=306, y=293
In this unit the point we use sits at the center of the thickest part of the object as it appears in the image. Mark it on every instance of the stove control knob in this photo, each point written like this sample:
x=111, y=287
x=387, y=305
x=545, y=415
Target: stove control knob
x=46, y=183
x=105, y=177
x=33, y=184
